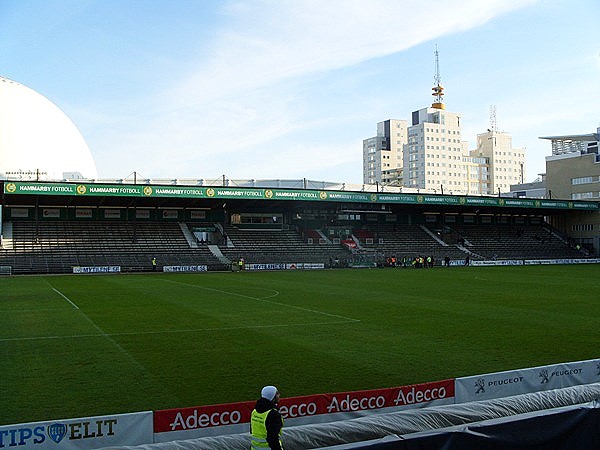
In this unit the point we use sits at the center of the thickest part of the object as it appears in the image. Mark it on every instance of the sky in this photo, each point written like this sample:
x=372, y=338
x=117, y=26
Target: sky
x=288, y=89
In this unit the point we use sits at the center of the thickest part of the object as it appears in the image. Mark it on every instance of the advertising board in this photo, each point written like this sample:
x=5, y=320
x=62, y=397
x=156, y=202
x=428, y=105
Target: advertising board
x=96, y=269
x=525, y=381
x=198, y=268
x=80, y=434
x=215, y=420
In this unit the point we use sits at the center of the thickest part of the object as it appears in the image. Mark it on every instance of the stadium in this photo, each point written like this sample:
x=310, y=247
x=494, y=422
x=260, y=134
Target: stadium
x=154, y=310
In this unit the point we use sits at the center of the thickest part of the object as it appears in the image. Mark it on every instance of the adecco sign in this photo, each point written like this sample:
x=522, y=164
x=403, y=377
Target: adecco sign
x=231, y=418
x=212, y=420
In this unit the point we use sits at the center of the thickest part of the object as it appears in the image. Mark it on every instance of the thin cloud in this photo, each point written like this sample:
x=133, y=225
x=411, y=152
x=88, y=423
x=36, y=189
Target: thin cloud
x=272, y=41
x=240, y=108
x=243, y=97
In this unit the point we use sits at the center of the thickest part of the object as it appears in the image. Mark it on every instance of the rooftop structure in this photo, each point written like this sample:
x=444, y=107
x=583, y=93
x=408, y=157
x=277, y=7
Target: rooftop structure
x=574, y=143
x=438, y=89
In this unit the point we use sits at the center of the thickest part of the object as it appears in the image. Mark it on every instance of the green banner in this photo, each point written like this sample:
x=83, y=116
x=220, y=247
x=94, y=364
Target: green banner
x=397, y=198
x=128, y=190
x=39, y=188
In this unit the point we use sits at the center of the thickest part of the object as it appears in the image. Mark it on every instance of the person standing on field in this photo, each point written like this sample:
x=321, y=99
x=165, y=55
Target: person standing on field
x=266, y=421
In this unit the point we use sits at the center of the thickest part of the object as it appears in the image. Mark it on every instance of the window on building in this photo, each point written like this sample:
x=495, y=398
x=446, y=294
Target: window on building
x=584, y=195
x=583, y=180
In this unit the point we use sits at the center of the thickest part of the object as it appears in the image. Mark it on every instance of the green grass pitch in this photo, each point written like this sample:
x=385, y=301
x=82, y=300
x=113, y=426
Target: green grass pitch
x=74, y=346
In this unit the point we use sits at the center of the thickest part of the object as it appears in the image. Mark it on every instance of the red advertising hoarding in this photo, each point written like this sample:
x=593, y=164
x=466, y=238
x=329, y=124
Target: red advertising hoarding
x=200, y=421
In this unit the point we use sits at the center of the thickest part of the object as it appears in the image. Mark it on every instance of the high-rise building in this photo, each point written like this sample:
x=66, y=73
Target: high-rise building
x=384, y=151
x=506, y=163
x=434, y=152
x=430, y=154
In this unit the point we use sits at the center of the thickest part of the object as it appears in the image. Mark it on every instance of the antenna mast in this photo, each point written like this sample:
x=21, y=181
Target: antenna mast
x=438, y=89
x=493, y=119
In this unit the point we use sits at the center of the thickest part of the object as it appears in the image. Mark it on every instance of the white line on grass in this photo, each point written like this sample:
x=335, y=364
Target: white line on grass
x=27, y=311
x=45, y=309
x=93, y=324
x=349, y=319
x=193, y=330
x=65, y=297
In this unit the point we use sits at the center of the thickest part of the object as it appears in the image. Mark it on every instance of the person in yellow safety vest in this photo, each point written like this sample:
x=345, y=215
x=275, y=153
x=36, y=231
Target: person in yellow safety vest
x=266, y=421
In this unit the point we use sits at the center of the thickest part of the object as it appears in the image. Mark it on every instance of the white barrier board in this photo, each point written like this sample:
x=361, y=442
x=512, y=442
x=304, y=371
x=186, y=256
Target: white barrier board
x=200, y=268
x=525, y=381
x=80, y=434
x=97, y=269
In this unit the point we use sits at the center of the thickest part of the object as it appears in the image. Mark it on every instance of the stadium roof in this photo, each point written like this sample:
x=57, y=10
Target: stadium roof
x=142, y=195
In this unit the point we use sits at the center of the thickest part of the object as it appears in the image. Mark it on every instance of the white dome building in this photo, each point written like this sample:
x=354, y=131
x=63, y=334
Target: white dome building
x=37, y=140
